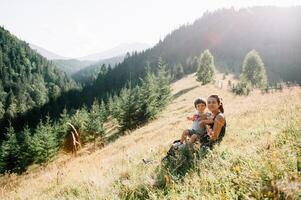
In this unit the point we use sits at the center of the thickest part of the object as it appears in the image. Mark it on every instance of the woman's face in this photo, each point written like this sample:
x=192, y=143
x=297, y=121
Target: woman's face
x=212, y=104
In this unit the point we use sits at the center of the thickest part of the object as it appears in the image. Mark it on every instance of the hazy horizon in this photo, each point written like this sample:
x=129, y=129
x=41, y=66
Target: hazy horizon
x=79, y=28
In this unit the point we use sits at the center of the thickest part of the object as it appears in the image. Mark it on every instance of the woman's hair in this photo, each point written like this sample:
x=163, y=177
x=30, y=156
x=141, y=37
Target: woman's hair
x=219, y=101
x=199, y=100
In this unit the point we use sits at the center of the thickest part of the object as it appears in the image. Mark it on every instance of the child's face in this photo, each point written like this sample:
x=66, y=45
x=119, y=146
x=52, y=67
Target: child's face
x=200, y=107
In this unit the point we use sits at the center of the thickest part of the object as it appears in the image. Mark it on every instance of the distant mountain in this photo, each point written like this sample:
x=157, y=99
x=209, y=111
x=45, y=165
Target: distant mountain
x=47, y=54
x=88, y=74
x=119, y=50
x=71, y=66
x=111, y=56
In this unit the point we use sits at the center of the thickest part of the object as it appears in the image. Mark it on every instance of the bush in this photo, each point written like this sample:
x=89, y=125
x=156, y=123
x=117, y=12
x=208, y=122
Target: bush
x=241, y=88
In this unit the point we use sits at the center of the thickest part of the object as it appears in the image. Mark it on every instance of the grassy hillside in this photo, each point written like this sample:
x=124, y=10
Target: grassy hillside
x=257, y=157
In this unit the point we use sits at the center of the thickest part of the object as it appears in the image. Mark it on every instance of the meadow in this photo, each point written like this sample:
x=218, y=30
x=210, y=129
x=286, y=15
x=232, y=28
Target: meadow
x=259, y=157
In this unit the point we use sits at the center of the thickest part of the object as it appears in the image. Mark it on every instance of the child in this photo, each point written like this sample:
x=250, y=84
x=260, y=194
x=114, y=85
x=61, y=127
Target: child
x=200, y=119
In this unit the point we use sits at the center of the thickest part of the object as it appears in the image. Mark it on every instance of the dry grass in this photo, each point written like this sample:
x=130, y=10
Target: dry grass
x=255, y=124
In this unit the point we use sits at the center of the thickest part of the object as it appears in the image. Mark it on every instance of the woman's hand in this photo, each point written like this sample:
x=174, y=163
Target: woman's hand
x=211, y=135
x=209, y=130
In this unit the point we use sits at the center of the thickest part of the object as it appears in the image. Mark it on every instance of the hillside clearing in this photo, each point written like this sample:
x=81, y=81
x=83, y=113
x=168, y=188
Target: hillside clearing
x=255, y=123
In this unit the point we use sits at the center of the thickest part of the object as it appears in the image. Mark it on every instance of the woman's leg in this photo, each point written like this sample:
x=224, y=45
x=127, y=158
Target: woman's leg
x=184, y=135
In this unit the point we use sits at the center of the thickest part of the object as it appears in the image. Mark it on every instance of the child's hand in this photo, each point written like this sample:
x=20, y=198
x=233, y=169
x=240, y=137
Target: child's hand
x=195, y=117
x=189, y=118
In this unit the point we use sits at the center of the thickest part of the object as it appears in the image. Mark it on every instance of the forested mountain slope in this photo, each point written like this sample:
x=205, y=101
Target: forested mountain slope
x=229, y=34
x=27, y=80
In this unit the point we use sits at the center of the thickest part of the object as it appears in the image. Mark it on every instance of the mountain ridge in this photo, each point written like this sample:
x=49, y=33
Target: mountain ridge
x=46, y=53
x=118, y=50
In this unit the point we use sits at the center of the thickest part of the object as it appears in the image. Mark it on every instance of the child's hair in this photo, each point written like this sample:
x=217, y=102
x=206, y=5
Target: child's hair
x=200, y=100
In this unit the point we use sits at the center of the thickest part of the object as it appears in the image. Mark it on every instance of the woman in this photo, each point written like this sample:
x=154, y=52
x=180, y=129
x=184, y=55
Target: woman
x=217, y=129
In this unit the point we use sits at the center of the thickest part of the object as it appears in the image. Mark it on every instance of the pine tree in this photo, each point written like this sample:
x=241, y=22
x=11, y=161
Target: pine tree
x=26, y=153
x=147, y=97
x=11, y=105
x=110, y=104
x=44, y=144
x=103, y=69
x=2, y=96
x=95, y=123
x=10, y=153
x=62, y=127
x=80, y=119
x=178, y=71
x=195, y=64
x=162, y=90
x=127, y=108
x=253, y=70
x=113, y=103
x=103, y=112
x=136, y=104
x=205, y=72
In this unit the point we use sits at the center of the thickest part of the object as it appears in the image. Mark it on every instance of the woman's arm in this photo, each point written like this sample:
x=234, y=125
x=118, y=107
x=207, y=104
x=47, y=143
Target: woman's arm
x=207, y=121
x=217, y=127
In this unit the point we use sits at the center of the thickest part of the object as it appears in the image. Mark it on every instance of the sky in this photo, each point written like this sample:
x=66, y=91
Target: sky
x=75, y=28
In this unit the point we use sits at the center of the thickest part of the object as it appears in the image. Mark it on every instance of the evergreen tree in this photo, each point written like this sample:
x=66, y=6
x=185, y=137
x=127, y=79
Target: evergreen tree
x=26, y=153
x=10, y=153
x=147, y=97
x=136, y=105
x=113, y=103
x=44, y=144
x=62, y=127
x=80, y=119
x=195, y=64
x=178, y=71
x=127, y=107
x=163, y=89
x=96, y=118
x=253, y=70
x=110, y=104
x=103, y=69
x=103, y=112
x=205, y=72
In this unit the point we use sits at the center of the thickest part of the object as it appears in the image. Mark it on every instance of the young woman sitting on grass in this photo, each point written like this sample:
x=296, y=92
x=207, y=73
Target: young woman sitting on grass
x=217, y=129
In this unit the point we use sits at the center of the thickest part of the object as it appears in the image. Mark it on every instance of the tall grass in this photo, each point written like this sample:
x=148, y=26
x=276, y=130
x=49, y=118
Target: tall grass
x=259, y=157
x=261, y=162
